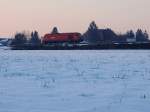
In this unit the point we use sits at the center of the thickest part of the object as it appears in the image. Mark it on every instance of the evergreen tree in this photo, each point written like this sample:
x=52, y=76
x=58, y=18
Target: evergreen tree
x=93, y=26
x=54, y=31
x=146, y=35
x=35, y=38
x=141, y=37
x=130, y=34
x=92, y=35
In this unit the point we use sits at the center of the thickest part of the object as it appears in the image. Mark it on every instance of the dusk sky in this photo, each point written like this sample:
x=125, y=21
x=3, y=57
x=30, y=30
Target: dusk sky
x=72, y=15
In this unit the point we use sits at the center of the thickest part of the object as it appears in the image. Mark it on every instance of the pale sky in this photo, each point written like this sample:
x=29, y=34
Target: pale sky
x=72, y=15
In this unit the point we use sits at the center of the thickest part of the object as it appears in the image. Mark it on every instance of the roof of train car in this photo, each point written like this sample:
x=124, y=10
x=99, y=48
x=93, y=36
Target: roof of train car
x=62, y=37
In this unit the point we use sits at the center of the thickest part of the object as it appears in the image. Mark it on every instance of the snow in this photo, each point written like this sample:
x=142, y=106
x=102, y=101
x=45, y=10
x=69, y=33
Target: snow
x=75, y=81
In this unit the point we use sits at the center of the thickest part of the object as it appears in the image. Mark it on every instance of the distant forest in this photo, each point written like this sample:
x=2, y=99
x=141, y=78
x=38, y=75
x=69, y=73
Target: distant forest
x=93, y=35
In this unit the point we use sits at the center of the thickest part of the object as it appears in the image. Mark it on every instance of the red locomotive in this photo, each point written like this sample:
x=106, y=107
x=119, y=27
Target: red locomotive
x=62, y=38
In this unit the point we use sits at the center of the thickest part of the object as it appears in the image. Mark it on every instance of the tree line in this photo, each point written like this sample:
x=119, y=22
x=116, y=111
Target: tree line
x=93, y=35
x=23, y=38
x=96, y=35
x=29, y=39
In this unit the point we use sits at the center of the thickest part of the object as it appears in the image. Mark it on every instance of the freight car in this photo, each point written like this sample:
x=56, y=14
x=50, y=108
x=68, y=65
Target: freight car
x=61, y=38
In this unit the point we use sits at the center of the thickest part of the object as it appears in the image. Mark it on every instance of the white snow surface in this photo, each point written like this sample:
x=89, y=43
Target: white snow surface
x=75, y=81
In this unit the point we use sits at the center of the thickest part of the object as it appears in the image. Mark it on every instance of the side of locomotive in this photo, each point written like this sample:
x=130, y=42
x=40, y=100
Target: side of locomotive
x=61, y=38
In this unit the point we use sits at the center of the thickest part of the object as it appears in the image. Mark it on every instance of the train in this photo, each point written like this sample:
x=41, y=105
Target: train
x=61, y=38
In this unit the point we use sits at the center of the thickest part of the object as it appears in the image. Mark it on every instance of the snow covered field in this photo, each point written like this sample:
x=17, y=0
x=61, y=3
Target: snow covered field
x=74, y=81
